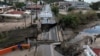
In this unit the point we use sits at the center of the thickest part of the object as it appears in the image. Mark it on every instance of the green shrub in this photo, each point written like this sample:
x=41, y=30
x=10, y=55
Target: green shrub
x=55, y=10
x=74, y=19
x=70, y=8
x=98, y=14
x=19, y=5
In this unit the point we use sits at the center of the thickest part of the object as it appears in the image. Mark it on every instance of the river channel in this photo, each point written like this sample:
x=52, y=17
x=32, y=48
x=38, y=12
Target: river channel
x=93, y=30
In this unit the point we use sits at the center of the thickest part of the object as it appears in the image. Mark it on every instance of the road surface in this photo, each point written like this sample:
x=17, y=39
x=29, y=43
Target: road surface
x=46, y=15
x=47, y=50
x=47, y=18
x=52, y=34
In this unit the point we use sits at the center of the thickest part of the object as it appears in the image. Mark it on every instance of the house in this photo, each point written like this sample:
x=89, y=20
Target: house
x=74, y=4
x=97, y=51
x=46, y=16
x=10, y=1
x=28, y=3
x=80, y=5
x=13, y=15
x=4, y=8
x=34, y=7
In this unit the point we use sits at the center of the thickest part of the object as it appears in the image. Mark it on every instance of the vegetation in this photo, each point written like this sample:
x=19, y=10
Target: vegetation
x=3, y=35
x=50, y=1
x=13, y=37
x=91, y=15
x=70, y=8
x=55, y=10
x=19, y=5
x=70, y=21
x=73, y=20
x=98, y=14
x=35, y=0
x=95, y=5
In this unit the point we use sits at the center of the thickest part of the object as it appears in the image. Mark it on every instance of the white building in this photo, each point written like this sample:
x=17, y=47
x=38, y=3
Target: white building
x=76, y=4
x=80, y=5
x=4, y=8
x=46, y=16
x=22, y=0
x=8, y=1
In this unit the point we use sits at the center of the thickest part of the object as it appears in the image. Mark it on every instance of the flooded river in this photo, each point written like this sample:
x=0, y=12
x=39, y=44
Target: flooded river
x=93, y=30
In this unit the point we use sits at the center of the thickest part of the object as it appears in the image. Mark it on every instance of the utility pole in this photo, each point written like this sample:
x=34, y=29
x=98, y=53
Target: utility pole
x=36, y=11
x=31, y=12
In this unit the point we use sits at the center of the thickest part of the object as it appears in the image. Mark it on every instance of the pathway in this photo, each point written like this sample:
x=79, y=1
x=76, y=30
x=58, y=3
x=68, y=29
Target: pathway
x=22, y=52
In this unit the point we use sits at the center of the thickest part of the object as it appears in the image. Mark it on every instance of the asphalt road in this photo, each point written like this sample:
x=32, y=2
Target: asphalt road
x=47, y=15
x=53, y=33
x=50, y=35
x=47, y=50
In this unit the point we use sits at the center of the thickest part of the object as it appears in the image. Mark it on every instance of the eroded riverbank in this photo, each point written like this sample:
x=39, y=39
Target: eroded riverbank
x=71, y=33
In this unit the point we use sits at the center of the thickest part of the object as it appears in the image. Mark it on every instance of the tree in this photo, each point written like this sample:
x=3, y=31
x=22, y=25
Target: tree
x=19, y=5
x=55, y=10
x=98, y=14
x=70, y=21
x=70, y=8
x=74, y=19
x=95, y=5
x=91, y=15
x=41, y=3
x=81, y=16
x=35, y=1
x=51, y=1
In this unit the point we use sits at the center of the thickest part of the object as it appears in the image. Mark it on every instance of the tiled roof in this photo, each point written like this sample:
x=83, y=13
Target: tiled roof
x=97, y=51
x=15, y=12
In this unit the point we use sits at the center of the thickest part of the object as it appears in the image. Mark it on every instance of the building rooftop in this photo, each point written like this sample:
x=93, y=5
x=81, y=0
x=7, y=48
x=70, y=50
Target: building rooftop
x=97, y=51
x=34, y=6
x=15, y=12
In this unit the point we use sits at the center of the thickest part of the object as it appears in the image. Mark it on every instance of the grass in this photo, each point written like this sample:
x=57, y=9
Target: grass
x=16, y=36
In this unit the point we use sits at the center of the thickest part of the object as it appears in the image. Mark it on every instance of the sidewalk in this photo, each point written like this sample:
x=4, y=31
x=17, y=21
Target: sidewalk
x=21, y=52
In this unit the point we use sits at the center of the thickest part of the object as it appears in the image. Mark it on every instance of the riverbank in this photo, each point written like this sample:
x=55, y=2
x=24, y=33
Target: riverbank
x=17, y=36
x=89, y=25
x=69, y=33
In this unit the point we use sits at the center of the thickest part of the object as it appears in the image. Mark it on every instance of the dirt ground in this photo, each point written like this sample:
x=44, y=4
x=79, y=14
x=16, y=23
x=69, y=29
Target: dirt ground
x=70, y=32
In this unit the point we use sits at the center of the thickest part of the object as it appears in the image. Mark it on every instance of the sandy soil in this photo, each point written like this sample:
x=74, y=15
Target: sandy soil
x=6, y=26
